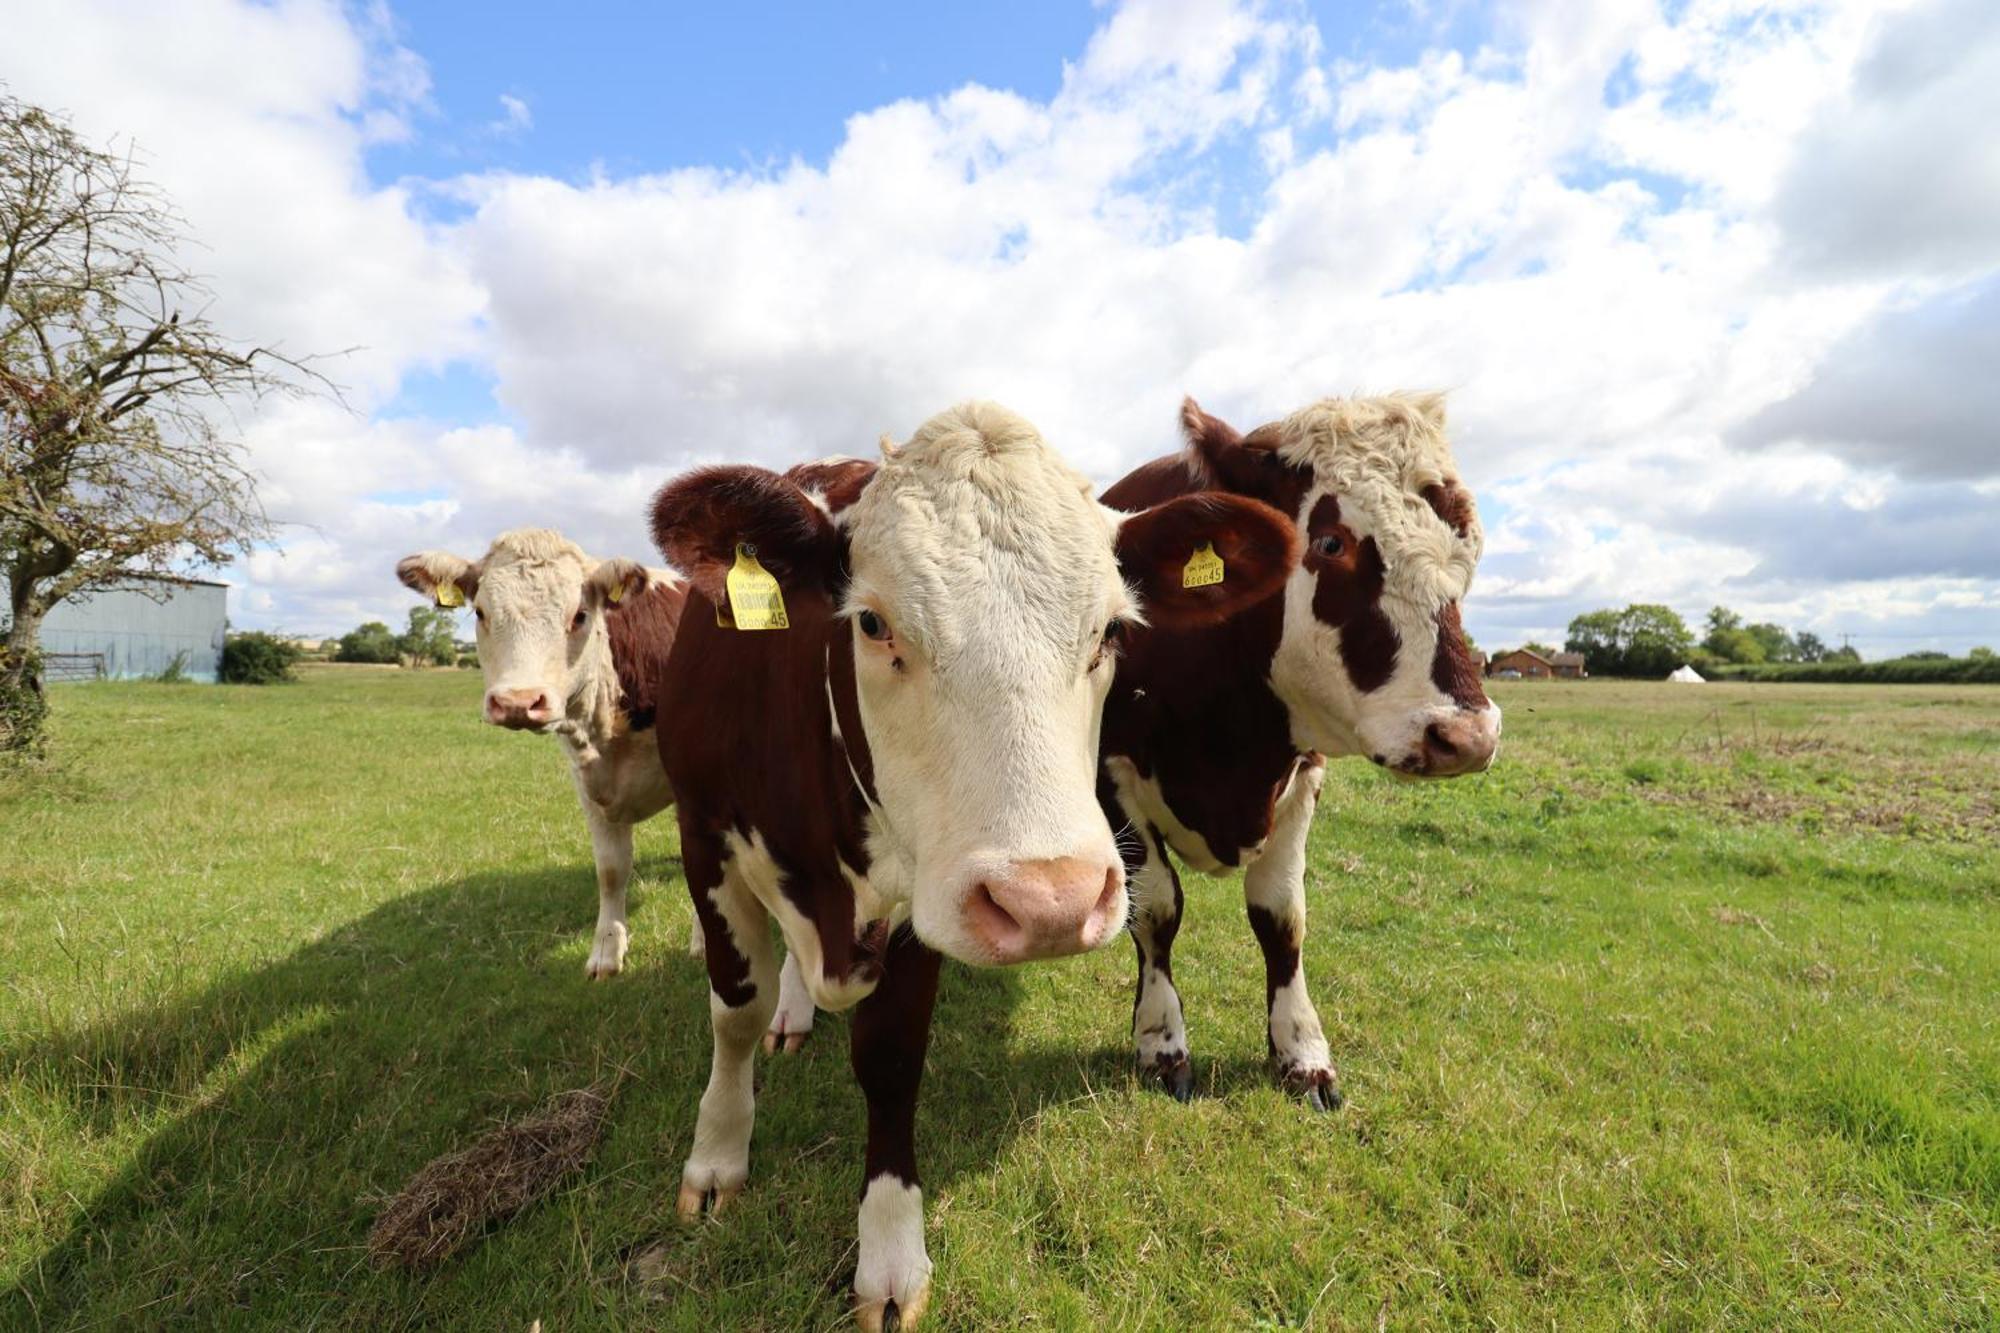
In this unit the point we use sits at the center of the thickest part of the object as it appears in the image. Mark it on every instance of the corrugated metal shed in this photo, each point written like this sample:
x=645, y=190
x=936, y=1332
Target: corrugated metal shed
x=141, y=625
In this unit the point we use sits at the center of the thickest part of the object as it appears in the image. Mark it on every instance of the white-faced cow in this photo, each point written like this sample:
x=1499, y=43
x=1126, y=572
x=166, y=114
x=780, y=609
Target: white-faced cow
x=572, y=647
x=907, y=767
x=1214, y=736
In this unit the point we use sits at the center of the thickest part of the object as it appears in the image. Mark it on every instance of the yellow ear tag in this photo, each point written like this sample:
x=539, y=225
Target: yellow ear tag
x=448, y=594
x=617, y=593
x=1204, y=567
x=754, y=599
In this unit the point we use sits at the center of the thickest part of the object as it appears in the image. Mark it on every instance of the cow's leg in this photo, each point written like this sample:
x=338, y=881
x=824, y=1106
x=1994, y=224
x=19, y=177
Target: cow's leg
x=890, y=1031
x=1159, y=1030
x=1274, y=892
x=696, y=944
x=794, y=1018
x=611, y=848
x=742, y=991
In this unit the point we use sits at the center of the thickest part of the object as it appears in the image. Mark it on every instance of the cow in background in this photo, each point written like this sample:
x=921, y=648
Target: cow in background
x=1215, y=736
x=888, y=685
x=572, y=647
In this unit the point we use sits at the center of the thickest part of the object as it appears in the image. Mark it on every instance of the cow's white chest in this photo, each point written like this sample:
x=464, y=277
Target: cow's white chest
x=621, y=776
x=1144, y=801
x=751, y=862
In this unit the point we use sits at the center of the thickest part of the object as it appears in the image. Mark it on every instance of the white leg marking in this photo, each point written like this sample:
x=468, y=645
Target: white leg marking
x=697, y=943
x=1158, y=1028
x=720, y=1160
x=611, y=847
x=893, y=1264
x=795, y=1009
x=1276, y=882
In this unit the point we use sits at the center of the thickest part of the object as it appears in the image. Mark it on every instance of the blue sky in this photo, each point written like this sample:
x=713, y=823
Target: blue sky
x=641, y=87
x=1712, y=284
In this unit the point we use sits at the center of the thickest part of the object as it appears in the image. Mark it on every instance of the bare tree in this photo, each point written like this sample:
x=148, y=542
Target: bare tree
x=115, y=448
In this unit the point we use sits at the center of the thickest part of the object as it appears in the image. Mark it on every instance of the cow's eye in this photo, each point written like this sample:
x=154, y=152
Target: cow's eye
x=576, y=621
x=479, y=614
x=1114, y=631
x=1328, y=545
x=873, y=626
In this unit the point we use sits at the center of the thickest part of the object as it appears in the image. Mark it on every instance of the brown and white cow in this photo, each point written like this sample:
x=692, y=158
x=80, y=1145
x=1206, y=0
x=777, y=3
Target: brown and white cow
x=572, y=647
x=907, y=769
x=1214, y=736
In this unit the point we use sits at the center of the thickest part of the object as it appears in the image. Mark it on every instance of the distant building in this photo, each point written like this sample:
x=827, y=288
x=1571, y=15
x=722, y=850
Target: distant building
x=1520, y=662
x=137, y=627
x=1569, y=666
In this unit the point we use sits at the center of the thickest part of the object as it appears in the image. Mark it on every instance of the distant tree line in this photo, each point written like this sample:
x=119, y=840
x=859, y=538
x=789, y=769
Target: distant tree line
x=1650, y=640
x=426, y=641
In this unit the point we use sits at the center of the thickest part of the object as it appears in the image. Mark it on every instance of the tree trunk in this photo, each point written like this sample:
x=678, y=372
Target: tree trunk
x=20, y=665
x=23, y=708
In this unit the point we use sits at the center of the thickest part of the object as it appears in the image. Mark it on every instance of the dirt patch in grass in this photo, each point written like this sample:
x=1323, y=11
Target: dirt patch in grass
x=451, y=1201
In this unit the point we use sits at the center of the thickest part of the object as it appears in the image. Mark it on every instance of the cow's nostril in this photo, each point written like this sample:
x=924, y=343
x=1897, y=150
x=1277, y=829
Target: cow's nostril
x=1435, y=738
x=1114, y=886
x=984, y=905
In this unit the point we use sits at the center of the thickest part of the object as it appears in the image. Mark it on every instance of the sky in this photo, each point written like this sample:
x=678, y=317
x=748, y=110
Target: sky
x=1714, y=286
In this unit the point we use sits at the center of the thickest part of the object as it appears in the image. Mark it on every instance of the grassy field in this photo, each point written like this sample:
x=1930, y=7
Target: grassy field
x=1687, y=1015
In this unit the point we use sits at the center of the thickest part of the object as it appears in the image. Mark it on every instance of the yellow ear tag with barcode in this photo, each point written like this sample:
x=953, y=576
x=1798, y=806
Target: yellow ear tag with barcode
x=448, y=594
x=1204, y=567
x=754, y=599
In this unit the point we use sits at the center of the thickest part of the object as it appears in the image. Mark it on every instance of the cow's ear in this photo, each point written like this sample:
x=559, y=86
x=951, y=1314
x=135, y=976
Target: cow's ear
x=446, y=579
x=616, y=581
x=701, y=519
x=1222, y=458
x=1200, y=559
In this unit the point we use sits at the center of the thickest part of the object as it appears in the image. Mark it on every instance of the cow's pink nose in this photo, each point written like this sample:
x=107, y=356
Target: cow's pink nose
x=1461, y=743
x=1045, y=909
x=519, y=708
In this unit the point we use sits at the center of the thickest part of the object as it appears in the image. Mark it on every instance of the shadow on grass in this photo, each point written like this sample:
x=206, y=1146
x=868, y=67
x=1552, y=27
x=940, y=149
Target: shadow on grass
x=261, y=1122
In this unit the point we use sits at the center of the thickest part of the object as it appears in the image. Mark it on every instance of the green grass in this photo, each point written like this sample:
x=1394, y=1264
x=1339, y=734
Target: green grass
x=1684, y=1016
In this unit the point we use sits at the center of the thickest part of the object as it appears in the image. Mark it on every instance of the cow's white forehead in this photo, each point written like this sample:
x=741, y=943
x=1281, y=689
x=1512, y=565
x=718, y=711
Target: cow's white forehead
x=1378, y=454
x=526, y=567
x=976, y=525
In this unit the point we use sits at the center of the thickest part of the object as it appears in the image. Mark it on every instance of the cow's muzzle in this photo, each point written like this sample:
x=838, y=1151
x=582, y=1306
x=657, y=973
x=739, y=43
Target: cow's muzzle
x=519, y=710
x=1045, y=909
x=1459, y=743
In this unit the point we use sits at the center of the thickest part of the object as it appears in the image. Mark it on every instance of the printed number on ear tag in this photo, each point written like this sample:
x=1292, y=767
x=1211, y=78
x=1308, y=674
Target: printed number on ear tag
x=754, y=598
x=448, y=594
x=1204, y=567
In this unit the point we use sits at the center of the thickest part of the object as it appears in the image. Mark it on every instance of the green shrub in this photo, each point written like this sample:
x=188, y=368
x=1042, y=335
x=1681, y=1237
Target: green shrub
x=373, y=642
x=175, y=673
x=1912, y=670
x=257, y=658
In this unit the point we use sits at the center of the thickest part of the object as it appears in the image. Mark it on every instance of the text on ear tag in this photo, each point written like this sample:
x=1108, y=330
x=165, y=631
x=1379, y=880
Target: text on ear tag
x=1204, y=567
x=448, y=594
x=754, y=599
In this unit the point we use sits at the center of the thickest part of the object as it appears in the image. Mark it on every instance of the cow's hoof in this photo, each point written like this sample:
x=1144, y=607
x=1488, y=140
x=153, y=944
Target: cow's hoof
x=788, y=1042
x=1319, y=1087
x=607, y=954
x=889, y=1315
x=695, y=1200
x=1174, y=1074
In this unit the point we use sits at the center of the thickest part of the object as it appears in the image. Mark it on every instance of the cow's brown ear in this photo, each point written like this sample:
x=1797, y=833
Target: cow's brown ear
x=1200, y=559
x=1222, y=458
x=441, y=576
x=617, y=581
x=700, y=519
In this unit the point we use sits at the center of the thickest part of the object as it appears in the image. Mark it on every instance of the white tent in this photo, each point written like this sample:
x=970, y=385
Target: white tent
x=1686, y=675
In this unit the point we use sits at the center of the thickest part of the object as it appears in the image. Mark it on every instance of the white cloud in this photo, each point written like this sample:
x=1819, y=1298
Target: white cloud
x=515, y=117
x=1614, y=283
